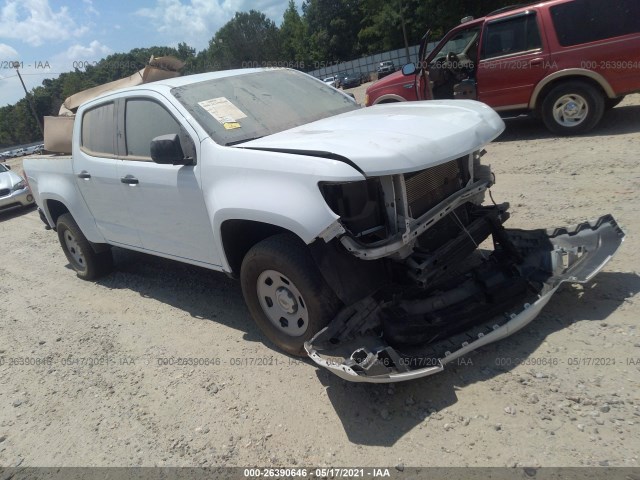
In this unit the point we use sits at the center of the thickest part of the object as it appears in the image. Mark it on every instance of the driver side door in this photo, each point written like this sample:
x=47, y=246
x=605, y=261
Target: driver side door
x=462, y=44
x=166, y=201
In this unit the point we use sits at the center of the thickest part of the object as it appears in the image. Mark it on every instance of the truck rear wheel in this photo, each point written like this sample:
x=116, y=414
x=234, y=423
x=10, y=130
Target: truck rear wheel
x=285, y=292
x=572, y=108
x=85, y=261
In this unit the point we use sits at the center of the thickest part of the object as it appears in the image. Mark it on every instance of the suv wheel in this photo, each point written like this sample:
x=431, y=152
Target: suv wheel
x=571, y=108
x=609, y=103
x=285, y=292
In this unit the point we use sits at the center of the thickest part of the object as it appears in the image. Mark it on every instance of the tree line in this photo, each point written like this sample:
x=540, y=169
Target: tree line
x=324, y=32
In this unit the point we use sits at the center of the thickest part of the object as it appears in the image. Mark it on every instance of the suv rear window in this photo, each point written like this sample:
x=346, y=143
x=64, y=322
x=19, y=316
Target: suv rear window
x=583, y=21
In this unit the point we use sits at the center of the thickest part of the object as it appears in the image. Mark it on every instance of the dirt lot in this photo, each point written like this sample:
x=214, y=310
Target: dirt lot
x=564, y=391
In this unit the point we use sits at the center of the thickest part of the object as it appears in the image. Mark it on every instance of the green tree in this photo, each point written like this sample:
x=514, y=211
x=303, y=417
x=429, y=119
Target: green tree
x=332, y=28
x=250, y=38
x=293, y=36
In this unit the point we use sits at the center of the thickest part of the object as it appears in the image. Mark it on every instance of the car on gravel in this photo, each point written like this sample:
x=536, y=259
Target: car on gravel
x=332, y=81
x=563, y=61
x=354, y=231
x=14, y=190
x=385, y=68
x=351, y=80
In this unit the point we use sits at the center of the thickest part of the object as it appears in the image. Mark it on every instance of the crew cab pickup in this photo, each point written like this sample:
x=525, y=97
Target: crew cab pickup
x=354, y=232
x=563, y=61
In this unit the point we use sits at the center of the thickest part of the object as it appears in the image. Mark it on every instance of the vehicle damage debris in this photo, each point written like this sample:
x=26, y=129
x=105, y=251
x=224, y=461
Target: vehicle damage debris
x=390, y=337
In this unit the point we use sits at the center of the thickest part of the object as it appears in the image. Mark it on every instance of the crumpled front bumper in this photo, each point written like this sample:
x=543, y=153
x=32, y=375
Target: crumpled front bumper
x=578, y=253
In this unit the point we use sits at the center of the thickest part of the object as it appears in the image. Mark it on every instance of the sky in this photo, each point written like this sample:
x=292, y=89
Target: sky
x=49, y=37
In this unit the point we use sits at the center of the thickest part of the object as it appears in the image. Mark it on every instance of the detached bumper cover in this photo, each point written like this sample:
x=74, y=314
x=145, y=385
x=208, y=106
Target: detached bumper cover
x=353, y=348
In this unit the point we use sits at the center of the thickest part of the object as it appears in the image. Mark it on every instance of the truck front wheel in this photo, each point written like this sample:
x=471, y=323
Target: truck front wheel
x=84, y=260
x=285, y=292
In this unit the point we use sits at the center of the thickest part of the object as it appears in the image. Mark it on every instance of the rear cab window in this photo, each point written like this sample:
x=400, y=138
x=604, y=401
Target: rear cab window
x=99, y=131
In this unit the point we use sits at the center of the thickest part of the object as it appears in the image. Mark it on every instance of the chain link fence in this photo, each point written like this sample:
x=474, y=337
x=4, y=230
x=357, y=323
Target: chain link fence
x=366, y=66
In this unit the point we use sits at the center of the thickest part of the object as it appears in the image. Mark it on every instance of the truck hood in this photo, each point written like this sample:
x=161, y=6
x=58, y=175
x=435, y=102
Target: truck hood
x=392, y=138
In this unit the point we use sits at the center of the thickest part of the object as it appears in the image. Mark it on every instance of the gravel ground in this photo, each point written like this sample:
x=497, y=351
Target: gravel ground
x=83, y=380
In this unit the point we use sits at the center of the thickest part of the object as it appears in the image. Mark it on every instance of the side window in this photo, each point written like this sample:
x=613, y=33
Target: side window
x=99, y=130
x=511, y=35
x=145, y=120
x=584, y=21
x=459, y=42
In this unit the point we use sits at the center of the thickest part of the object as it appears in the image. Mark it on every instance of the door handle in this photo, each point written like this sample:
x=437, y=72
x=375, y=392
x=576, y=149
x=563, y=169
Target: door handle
x=129, y=180
x=84, y=174
x=536, y=61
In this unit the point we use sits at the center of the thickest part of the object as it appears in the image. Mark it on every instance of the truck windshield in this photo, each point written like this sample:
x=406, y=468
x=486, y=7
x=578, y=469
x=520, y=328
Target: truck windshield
x=244, y=107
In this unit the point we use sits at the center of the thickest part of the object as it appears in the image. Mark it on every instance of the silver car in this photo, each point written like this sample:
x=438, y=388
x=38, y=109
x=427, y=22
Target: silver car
x=14, y=191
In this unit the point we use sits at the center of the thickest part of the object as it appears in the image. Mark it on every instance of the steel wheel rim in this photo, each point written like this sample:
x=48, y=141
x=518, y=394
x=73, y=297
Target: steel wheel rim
x=570, y=110
x=73, y=247
x=282, y=303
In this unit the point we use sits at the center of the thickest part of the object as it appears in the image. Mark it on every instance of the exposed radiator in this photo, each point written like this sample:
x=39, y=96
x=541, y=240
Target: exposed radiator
x=427, y=188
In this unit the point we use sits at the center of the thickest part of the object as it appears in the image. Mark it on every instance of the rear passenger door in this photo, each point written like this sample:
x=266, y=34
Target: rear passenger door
x=513, y=59
x=166, y=201
x=95, y=166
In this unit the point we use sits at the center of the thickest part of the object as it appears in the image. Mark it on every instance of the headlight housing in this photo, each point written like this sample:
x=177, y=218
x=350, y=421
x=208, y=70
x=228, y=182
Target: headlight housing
x=360, y=206
x=19, y=186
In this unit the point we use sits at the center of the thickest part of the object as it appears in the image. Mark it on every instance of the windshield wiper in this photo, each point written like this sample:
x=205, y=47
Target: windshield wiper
x=231, y=144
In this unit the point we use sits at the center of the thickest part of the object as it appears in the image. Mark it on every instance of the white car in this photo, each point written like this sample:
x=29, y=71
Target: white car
x=331, y=81
x=354, y=232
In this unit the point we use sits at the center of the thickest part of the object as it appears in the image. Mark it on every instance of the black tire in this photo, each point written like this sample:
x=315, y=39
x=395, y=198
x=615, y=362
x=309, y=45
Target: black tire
x=609, y=103
x=289, y=258
x=88, y=264
x=582, y=93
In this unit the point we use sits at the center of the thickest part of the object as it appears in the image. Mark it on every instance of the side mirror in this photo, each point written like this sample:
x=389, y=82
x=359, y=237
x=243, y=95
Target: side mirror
x=409, y=69
x=8, y=167
x=166, y=150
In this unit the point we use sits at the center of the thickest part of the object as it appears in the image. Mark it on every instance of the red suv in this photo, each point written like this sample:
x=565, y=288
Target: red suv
x=564, y=61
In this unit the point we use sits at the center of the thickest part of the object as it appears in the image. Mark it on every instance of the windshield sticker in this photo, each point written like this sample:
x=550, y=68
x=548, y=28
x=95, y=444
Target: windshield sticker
x=225, y=112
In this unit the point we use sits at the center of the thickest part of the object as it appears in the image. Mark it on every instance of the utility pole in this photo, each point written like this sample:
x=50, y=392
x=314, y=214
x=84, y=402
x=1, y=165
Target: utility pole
x=33, y=109
x=404, y=34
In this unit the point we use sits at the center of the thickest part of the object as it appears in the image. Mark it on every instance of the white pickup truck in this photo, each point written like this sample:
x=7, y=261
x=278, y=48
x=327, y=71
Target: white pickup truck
x=354, y=232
